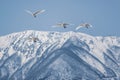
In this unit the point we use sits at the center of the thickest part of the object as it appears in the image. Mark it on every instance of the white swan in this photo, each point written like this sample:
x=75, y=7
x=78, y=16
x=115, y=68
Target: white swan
x=64, y=25
x=34, y=14
x=86, y=25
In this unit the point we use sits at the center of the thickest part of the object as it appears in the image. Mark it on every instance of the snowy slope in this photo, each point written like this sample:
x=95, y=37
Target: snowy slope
x=39, y=55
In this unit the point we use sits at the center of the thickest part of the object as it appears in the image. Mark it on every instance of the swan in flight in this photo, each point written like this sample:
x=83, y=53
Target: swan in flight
x=86, y=25
x=64, y=25
x=34, y=14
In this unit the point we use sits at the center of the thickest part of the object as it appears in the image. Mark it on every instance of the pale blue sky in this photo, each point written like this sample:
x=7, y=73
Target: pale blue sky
x=104, y=15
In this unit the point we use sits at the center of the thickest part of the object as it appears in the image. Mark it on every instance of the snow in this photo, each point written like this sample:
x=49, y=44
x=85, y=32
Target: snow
x=1, y=55
x=4, y=42
x=11, y=51
x=47, y=53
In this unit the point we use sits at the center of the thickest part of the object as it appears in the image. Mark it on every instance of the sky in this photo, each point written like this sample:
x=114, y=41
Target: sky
x=104, y=15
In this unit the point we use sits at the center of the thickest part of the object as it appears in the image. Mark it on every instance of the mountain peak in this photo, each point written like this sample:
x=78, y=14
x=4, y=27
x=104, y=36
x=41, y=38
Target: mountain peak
x=53, y=55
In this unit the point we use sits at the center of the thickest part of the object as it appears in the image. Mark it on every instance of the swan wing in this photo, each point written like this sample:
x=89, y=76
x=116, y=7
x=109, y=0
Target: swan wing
x=29, y=12
x=39, y=12
x=78, y=27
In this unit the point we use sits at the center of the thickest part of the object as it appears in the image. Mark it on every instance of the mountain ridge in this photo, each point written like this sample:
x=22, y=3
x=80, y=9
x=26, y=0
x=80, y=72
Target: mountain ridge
x=41, y=53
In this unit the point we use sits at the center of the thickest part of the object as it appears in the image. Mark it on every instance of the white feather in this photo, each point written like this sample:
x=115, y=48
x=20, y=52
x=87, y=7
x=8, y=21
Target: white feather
x=35, y=13
x=78, y=27
x=29, y=12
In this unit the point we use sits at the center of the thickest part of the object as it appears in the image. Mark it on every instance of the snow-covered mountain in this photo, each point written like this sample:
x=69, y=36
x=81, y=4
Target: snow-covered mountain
x=39, y=55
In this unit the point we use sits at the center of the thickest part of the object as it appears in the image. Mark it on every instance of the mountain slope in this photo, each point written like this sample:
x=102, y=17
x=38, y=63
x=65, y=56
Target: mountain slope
x=38, y=55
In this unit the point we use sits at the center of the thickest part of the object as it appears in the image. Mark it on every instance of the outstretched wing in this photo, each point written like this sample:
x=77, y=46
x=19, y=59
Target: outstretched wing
x=90, y=25
x=39, y=12
x=29, y=12
x=78, y=27
x=55, y=26
x=86, y=25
